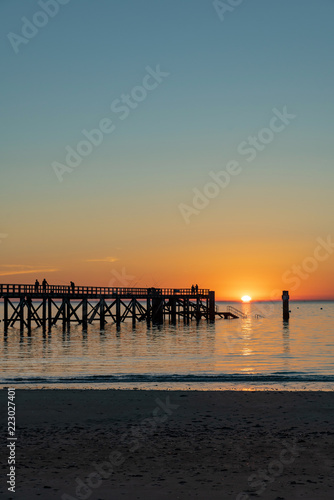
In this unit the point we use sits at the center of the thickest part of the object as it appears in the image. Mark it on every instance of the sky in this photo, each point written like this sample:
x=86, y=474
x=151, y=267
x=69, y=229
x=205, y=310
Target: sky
x=168, y=143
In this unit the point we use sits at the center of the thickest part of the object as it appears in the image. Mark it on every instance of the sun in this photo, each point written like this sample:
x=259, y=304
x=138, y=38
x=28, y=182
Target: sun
x=246, y=298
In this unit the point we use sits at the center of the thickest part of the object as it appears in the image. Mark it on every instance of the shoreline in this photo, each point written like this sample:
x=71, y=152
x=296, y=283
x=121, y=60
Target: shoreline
x=170, y=444
x=250, y=386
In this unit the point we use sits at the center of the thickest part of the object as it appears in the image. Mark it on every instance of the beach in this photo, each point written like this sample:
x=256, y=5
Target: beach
x=131, y=444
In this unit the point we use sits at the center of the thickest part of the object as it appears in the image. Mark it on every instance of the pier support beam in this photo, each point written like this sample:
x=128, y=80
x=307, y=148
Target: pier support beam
x=173, y=311
x=148, y=309
x=29, y=315
x=133, y=314
x=84, y=314
x=186, y=311
x=22, y=316
x=102, y=312
x=118, y=312
x=49, y=314
x=64, y=310
x=157, y=310
x=198, y=309
x=5, y=315
x=68, y=313
x=44, y=315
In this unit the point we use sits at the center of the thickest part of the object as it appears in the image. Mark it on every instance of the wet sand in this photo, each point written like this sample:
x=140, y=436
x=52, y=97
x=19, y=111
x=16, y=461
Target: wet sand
x=119, y=444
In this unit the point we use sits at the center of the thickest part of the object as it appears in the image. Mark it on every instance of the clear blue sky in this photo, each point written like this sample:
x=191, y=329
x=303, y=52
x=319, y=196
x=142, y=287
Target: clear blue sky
x=225, y=79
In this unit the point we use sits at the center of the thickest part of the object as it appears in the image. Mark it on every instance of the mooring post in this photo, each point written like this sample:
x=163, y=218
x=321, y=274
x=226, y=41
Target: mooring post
x=212, y=306
x=102, y=314
x=286, y=307
x=84, y=314
x=5, y=315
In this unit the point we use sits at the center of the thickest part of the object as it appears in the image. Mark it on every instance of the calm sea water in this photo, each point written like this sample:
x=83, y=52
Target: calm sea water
x=250, y=353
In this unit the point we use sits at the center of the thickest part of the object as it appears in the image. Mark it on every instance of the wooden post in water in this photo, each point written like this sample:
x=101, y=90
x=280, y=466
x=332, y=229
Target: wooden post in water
x=148, y=309
x=49, y=314
x=29, y=315
x=157, y=310
x=212, y=306
x=44, y=315
x=186, y=304
x=286, y=307
x=22, y=316
x=173, y=311
x=84, y=313
x=198, y=309
x=133, y=314
x=68, y=313
x=5, y=315
x=207, y=308
x=118, y=311
x=63, y=308
x=102, y=314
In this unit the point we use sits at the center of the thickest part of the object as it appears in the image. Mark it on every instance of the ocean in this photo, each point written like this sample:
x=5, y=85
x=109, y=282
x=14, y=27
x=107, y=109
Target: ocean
x=257, y=352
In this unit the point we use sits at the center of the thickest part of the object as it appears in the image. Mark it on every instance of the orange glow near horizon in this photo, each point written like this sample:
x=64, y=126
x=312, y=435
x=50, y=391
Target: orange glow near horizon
x=165, y=254
x=229, y=286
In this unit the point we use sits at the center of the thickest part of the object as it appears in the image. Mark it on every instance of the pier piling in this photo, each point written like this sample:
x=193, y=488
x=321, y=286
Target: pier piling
x=5, y=314
x=84, y=314
x=102, y=320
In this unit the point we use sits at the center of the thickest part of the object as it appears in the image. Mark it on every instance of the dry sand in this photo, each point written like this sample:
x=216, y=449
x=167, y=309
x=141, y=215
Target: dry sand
x=171, y=444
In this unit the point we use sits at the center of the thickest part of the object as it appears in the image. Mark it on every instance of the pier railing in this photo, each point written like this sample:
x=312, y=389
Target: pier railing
x=13, y=289
x=237, y=312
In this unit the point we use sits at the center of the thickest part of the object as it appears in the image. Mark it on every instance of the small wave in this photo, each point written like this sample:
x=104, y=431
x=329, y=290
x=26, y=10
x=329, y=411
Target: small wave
x=273, y=378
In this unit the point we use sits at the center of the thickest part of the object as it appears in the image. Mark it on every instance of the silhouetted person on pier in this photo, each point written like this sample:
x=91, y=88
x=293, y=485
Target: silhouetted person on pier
x=44, y=284
x=192, y=289
x=36, y=286
x=72, y=287
x=196, y=288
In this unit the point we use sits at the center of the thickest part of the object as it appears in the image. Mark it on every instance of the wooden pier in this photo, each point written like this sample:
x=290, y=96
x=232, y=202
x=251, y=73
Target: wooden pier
x=28, y=306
